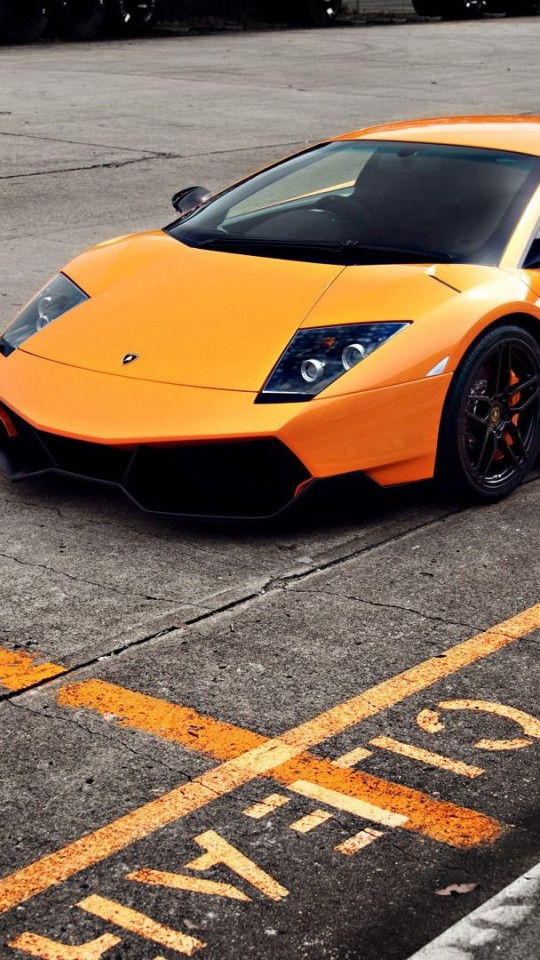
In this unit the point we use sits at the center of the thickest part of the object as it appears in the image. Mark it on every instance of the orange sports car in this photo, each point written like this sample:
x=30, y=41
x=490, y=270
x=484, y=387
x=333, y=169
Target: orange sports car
x=369, y=306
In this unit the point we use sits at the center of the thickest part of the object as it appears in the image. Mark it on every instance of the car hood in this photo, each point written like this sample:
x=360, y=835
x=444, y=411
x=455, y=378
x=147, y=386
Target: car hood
x=212, y=319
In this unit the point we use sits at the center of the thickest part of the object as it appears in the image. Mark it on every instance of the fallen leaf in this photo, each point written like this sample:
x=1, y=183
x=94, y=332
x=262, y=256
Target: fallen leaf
x=456, y=888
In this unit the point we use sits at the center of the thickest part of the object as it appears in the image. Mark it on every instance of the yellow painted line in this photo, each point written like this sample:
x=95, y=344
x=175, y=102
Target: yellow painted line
x=359, y=841
x=348, y=804
x=220, y=852
x=20, y=670
x=446, y=823
x=102, y=843
x=170, y=721
x=267, y=806
x=427, y=756
x=178, y=881
x=139, y=923
x=404, y=685
x=353, y=757
x=46, y=949
x=311, y=821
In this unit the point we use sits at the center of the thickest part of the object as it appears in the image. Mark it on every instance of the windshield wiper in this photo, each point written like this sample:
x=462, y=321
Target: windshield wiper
x=346, y=248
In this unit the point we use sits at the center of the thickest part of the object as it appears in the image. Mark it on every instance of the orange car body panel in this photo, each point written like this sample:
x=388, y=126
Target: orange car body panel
x=209, y=327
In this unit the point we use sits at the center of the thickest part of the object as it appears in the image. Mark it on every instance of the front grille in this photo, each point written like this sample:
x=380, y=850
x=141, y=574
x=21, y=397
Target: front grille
x=238, y=478
x=95, y=460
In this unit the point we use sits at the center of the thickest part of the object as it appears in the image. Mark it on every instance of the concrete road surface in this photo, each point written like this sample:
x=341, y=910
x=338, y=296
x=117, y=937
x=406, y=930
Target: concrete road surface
x=292, y=740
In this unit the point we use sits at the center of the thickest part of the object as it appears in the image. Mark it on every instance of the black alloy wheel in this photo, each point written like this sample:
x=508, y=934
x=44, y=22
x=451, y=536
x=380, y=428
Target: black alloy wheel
x=23, y=21
x=131, y=18
x=79, y=19
x=490, y=429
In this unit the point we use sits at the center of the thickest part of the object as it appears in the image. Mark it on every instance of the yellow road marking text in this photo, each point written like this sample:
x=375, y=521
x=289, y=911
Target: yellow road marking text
x=426, y=756
x=219, y=851
x=140, y=924
x=178, y=881
x=343, y=801
x=311, y=821
x=530, y=725
x=353, y=757
x=47, y=949
x=359, y=841
x=266, y=806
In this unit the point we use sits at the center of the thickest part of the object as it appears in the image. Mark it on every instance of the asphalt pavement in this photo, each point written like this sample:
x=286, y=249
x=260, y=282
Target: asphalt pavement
x=267, y=741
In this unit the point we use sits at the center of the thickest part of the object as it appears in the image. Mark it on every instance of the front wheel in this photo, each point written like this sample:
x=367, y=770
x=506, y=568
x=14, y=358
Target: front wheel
x=23, y=21
x=490, y=429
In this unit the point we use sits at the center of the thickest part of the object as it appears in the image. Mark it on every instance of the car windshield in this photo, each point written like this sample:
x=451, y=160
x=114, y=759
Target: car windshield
x=368, y=201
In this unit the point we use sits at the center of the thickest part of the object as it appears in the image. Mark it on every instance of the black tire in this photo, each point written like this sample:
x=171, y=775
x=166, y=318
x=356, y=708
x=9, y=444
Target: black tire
x=131, y=18
x=490, y=428
x=428, y=8
x=23, y=21
x=463, y=9
x=79, y=19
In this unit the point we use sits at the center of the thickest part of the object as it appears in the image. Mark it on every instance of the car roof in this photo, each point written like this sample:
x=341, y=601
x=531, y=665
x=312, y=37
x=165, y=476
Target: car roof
x=515, y=133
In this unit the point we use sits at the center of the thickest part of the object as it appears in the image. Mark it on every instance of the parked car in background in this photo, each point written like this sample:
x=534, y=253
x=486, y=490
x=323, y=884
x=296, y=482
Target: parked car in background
x=23, y=21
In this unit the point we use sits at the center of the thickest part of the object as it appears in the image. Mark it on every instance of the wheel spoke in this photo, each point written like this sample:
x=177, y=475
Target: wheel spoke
x=515, y=433
x=521, y=407
x=509, y=450
x=520, y=387
x=504, y=369
x=484, y=473
x=474, y=416
x=488, y=436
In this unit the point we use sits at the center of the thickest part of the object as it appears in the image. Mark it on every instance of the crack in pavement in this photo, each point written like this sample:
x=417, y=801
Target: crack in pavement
x=117, y=740
x=149, y=156
x=76, y=143
x=110, y=165
x=91, y=583
x=397, y=606
x=273, y=584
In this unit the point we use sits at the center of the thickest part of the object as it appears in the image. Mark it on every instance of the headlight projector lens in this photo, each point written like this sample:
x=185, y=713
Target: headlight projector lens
x=352, y=355
x=312, y=370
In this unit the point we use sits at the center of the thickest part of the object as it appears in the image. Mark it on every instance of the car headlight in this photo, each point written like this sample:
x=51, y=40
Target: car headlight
x=317, y=356
x=59, y=296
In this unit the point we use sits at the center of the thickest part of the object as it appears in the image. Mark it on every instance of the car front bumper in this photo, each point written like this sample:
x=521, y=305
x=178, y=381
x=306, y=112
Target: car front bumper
x=189, y=451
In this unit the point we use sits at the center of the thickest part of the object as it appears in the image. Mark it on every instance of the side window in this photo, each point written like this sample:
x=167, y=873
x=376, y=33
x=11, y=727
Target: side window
x=532, y=260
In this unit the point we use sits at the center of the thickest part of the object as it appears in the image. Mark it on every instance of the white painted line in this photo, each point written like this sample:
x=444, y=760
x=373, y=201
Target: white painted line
x=490, y=922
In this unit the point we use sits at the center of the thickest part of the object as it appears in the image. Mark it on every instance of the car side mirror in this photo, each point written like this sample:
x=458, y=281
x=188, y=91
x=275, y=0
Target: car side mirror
x=189, y=199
